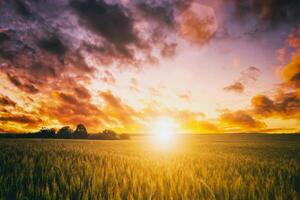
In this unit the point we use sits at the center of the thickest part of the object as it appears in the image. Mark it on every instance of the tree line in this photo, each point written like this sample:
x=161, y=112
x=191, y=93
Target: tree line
x=67, y=133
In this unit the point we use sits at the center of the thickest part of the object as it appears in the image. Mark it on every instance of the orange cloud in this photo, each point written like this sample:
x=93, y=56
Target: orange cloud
x=197, y=23
x=82, y=92
x=6, y=101
x=200, y=126
x=285, y=106
x=291, y=71
x=72, y=108
x=118, y=111
x=19, y=122
x=240, y=119
x=23, y=119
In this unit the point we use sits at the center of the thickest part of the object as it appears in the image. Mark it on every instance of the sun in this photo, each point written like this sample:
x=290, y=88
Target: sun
x=163, y=129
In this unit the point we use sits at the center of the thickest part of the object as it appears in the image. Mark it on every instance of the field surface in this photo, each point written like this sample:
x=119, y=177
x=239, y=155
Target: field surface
x=188, y=167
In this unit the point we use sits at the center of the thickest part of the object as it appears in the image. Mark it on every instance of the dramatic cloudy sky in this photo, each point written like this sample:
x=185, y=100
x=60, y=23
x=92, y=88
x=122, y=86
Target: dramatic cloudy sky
x=209, y=65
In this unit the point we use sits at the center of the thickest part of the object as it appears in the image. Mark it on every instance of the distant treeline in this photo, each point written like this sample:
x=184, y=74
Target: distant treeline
x=67, y=133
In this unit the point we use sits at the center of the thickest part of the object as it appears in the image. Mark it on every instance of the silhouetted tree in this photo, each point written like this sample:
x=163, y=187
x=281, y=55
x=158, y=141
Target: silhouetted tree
x=47, y=133
x=109, y=133
x=80, y=132
x=104, y=135
x=65, y=132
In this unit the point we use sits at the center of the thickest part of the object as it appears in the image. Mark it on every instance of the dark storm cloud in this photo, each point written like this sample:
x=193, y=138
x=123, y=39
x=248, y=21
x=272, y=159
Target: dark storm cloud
x=22, y=8
x=3, y=36
x=269, y=13
x=53, y=45
x=110, y=21
x=162, y=13
x=44, y=42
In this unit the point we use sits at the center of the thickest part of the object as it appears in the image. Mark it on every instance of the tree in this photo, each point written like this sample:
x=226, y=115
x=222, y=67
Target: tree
x=47, y=133
x=80, y=132
x=109, y=134
x=65, y=132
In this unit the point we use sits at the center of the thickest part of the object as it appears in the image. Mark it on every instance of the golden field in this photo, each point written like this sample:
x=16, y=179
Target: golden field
x=187, y=167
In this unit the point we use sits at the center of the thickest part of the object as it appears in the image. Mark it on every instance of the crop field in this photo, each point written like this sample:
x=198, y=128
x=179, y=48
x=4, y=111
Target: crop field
x=188, y=167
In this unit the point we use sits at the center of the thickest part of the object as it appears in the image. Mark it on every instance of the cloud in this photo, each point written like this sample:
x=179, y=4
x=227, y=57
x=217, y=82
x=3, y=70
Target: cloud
x=51, y=50
x=117, y=110
x=262, y=105
x=278, y=130
x=250, y=75
x=268, y=14
x=6, y=101
x=192, y=125
x=72, y=108
x=82, y=92
x=247, y=76
x=53, y=45
x=27, y=87
x=110, y=99
x=285, y=106
x=160, y=12
x=43, y=43
x=197, y=23
x=206, y=126
x=240, y=119
x=168, y=50
x=294, y=38
x=237, y=87
x=291, y=71
x=108, y=77
x=25, y=119
x=22, y=8
x=109, y=21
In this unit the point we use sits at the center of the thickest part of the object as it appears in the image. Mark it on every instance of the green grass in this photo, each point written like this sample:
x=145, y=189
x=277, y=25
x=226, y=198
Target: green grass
x=193, y=167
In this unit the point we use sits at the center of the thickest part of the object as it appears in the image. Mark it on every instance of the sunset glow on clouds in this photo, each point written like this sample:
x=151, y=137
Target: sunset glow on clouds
x=210, y=66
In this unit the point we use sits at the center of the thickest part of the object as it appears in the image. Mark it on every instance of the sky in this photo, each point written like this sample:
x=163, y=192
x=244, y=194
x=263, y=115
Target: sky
x=209, y=66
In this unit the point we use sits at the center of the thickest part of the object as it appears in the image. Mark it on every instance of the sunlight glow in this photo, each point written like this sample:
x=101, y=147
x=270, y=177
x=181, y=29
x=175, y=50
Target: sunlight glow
x=163, y=129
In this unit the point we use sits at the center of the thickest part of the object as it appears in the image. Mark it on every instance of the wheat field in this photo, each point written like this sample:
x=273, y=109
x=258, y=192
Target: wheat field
x=191, y=167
